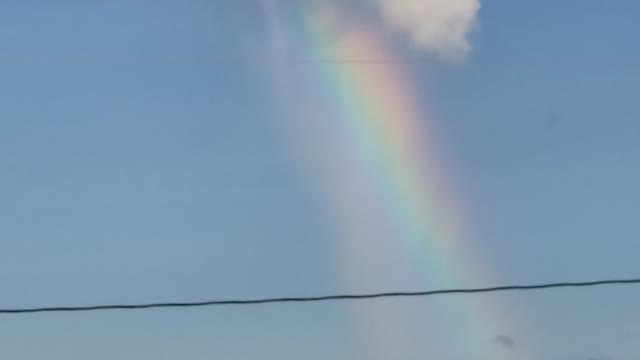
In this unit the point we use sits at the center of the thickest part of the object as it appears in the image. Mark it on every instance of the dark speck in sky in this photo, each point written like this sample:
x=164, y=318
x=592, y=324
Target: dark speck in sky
x=504, y=341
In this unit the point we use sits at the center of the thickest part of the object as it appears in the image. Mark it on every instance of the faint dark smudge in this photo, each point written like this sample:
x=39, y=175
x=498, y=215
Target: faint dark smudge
x=552, y=121
x=599, y=358
x=504, y=341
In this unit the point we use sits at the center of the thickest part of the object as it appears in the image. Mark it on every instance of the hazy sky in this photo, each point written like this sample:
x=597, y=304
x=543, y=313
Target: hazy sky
x=142, y=159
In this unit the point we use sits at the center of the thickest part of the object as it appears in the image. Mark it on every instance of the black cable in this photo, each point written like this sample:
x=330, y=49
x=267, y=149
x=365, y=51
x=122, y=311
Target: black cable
x=320, y=298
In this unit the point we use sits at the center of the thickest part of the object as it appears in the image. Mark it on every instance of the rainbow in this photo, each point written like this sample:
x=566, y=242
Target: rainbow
x=381, y=171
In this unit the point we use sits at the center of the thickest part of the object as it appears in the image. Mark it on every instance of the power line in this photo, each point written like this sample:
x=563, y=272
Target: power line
x=205, y=60
x=322, y=298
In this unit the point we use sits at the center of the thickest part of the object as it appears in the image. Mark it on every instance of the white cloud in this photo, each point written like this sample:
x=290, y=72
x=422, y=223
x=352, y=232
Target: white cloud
x=439, y=26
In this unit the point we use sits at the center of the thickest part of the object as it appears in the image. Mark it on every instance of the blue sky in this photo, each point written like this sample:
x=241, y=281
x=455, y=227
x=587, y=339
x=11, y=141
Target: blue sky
x=142, y=160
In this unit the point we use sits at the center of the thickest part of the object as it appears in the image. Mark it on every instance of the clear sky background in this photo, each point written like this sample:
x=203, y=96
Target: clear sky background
x=142, y=159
